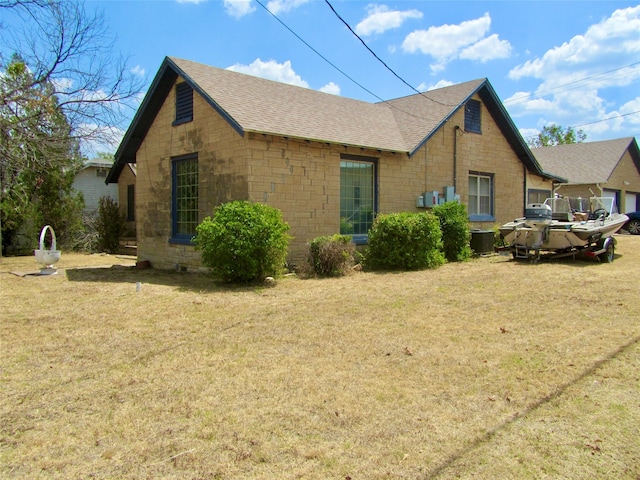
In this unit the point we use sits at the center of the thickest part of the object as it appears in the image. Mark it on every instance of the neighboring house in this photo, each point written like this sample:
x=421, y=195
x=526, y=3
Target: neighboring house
x=90, y=180
x=203, y=136
x=607, y=168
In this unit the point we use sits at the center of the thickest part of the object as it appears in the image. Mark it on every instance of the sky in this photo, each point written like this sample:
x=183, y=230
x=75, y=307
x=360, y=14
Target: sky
x=572, y=63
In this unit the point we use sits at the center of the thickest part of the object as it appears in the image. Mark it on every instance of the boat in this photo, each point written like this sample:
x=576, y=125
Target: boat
x=564, y=226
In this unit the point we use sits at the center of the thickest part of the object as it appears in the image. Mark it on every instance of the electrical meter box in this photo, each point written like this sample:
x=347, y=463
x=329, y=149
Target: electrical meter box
x=431, y=199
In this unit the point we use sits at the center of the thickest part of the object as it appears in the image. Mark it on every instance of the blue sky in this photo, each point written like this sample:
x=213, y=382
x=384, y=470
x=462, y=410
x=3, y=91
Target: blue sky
x=574, y=63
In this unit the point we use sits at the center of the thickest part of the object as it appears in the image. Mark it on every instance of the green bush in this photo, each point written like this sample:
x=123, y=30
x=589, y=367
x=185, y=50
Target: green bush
x=109, y=225
x=405, y=241
x=243, y=241
x=456, y=233
x=332, y=256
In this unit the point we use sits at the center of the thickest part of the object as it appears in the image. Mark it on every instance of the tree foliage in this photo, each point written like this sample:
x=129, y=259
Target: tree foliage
x=39, y=162
x=69, y=53
x=556, y=135
x=61, y=87
x=243, y=241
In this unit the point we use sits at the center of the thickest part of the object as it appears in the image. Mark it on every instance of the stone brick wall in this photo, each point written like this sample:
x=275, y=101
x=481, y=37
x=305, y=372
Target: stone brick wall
x=302, y=178
x=222, y=176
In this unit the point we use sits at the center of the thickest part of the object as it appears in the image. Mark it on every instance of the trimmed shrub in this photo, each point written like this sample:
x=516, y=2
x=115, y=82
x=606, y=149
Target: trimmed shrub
x=456, y=232
x=405, y=241
x=243, y=242
x=109, y=225
x=332, y=256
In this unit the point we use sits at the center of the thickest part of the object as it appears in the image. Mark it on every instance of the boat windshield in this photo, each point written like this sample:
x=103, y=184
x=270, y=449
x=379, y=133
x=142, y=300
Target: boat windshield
x=564, y=205
x=606, y=203
x=559, y=205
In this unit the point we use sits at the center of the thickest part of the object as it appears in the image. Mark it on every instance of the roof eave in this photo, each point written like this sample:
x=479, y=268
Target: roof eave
x=146, y=113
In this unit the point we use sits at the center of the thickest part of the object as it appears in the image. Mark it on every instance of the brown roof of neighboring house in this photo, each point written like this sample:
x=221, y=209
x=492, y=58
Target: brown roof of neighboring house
x=588, y=162
x=253, y=104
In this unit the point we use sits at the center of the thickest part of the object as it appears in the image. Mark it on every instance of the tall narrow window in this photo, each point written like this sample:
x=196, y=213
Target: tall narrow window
x=357, y=196
x=184, y=103
x=184, y=208
x=472, y=117
x=131, y=203
x=480, y=196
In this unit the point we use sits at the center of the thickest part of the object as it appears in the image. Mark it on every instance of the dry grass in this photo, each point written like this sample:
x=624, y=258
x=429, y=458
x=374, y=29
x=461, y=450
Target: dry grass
x=487, y=369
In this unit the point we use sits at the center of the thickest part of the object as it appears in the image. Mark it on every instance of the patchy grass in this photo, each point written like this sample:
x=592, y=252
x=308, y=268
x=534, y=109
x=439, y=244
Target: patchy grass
x=486, y=369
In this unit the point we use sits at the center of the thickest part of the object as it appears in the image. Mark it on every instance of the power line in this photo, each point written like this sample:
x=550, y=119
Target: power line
x=596, y=121
x=259, y=2
x=610, y=118
x=382, y=61
x=317, y=52
x=542, y=93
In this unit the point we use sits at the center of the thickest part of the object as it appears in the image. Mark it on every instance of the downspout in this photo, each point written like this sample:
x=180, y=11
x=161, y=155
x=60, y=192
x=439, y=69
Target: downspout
x=524, y=193
x=426, y=176
x=455, y=157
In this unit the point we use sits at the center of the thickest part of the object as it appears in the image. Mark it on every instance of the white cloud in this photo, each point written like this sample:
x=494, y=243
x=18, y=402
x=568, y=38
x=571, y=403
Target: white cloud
x=191, y=1
x=465, y=40
x=138, y=71
x=489, y=48
x=238, y=8
x=272, y=70
x=615, y=40
x=284, y=6
x=423, y=87
x=331, y=88
x=586, y=79
x=380, y=19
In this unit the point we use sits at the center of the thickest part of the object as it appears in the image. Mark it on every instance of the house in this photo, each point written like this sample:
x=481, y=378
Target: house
x=607, y=168
x=90, y=181
x=204, y=136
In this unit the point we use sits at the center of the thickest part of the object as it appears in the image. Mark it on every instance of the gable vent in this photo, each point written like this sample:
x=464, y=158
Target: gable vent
x=184, y=103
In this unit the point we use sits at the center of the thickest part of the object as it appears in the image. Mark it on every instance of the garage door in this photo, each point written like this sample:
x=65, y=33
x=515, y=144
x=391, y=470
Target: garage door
x=631, y=202
x=612, y=194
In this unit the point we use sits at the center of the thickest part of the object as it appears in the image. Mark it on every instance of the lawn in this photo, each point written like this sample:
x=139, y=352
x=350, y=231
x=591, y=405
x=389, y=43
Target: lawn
x=487, y=369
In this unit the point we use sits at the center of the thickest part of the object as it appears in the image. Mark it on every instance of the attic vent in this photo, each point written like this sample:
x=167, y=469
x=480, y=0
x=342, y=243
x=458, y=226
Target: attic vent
x=184, y=103
x=472, y=117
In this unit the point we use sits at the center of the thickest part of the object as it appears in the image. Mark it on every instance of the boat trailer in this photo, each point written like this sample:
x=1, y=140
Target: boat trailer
x=601, y=248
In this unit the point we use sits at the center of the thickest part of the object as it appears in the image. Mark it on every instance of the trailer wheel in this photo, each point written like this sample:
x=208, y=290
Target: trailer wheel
x=608, y=255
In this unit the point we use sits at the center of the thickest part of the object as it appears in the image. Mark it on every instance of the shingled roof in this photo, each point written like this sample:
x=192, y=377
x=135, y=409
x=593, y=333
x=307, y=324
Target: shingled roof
x=253, y=104
x=588, y=162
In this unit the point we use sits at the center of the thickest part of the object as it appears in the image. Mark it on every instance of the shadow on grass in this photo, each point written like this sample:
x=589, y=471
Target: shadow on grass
x=195, y=282
x=488, y=436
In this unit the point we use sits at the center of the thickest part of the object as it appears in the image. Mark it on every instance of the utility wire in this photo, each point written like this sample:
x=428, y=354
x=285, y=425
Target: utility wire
x=317, y=52
x=595, y=121
x=542, y=93
x=337, y=68
x=382, y=61
x=610, y=118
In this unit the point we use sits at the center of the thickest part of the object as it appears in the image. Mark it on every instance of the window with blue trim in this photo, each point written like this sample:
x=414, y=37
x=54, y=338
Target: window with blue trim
x=184, y=205
x=472, y=117
x=480, y=202
x=357, y=196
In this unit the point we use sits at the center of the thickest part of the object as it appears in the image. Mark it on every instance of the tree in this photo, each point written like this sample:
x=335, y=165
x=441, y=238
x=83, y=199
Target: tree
x=556, y=135
x=71, y=52
x=61, y=87
x=39, y=161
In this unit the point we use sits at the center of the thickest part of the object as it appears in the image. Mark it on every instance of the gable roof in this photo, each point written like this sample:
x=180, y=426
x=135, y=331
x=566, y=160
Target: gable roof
x=588, y=162
x=253, y=104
